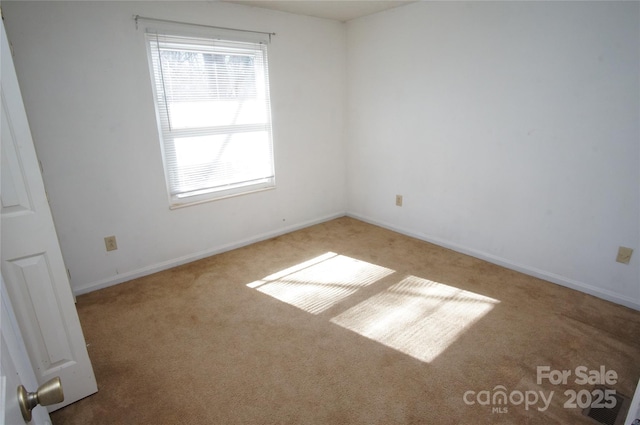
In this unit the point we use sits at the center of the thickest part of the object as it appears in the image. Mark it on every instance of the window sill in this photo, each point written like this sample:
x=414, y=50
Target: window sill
x=202, y=199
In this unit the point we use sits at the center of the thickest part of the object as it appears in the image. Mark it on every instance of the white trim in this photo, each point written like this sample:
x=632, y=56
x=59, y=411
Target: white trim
x=531, y=271
x=134, y=274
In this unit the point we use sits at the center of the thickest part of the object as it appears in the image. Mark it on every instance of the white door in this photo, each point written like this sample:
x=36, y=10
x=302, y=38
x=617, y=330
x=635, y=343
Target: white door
x=15, y=369
x=32, y=265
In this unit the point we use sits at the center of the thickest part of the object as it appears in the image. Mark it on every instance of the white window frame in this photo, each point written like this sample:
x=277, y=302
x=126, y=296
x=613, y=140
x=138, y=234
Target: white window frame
x=228, y=41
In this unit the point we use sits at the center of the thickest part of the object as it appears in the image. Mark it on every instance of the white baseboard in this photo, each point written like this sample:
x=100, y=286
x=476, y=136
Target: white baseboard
x=531, y=271
x=134, y=274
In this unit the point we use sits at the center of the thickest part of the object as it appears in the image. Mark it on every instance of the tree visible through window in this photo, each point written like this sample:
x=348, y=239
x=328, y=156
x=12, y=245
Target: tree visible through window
x=212, y=100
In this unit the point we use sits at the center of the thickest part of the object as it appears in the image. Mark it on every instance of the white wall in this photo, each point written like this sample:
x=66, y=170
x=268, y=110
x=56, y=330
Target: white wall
x=512, y=130
x=84, y=75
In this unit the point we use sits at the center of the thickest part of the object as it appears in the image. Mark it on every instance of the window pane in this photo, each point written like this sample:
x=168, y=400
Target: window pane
x=202, y=75
x=206, y=90
x=199, y=114
x=207, y=162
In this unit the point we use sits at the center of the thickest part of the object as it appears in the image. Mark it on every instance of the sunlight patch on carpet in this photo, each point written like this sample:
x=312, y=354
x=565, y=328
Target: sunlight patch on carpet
x=318, y=284
x=417, y=316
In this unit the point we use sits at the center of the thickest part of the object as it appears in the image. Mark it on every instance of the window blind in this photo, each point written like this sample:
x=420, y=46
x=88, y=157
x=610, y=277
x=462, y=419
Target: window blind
x=214, y=115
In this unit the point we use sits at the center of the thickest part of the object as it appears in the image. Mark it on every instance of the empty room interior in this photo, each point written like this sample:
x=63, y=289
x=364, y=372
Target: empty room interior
x=309, y=212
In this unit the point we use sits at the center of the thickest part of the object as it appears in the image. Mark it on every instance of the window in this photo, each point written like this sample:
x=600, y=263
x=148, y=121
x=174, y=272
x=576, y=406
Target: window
x=212, y=103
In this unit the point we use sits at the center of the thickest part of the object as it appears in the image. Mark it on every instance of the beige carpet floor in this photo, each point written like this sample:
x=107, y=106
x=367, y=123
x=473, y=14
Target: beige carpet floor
x=346, y=323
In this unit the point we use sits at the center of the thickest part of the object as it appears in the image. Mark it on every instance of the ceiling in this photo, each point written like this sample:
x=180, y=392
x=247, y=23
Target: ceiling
x=339, y=10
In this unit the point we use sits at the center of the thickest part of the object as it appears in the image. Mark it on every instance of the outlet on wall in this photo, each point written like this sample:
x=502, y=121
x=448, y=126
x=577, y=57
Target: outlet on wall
x=399, y=200
x=624, y=255
x=110, y=243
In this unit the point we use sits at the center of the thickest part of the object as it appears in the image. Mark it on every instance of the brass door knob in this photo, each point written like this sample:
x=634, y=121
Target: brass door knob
x=47, y=394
